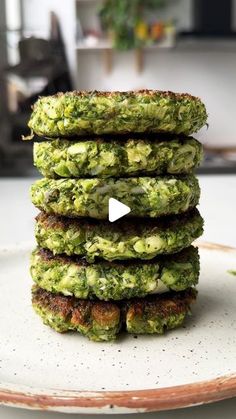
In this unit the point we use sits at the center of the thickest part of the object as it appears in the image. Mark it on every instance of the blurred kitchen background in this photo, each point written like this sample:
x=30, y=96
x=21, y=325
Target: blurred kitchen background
x=58, y=45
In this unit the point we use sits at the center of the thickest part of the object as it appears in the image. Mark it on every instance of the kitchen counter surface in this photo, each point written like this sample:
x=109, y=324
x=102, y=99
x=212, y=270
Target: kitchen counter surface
x=218, y=207
x=191, y=43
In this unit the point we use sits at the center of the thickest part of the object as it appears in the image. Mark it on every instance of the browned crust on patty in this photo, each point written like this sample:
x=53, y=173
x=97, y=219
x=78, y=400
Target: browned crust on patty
x=47, y=256
x=162, y=305
x=127, y=226
x=104, y=312
x=80, y=312
x=130, y=93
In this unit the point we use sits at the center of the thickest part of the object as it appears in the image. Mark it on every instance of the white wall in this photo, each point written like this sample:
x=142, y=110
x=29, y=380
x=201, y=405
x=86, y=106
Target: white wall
x=180, y=11
x=36, y=19
x=209, y=73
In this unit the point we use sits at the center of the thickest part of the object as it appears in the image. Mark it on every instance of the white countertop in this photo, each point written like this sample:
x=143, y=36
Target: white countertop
x=217, y=206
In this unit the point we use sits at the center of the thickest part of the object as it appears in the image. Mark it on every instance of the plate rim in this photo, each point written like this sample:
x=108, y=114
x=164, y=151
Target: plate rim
x=166, y=398
x=150, y=400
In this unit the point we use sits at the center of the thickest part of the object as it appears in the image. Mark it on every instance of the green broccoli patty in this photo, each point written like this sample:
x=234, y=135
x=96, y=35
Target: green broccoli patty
x=146, y=196
x=106, y=158
x=102, y=321
x=124, y=239
x=114, y=280
x=82, y=113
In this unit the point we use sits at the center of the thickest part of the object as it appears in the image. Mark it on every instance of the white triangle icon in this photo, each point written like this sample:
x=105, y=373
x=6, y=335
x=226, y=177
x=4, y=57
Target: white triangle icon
x=117, y=209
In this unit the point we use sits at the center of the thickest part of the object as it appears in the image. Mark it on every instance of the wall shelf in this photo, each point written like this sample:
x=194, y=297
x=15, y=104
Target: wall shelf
x=89, y=1
x=100, y=45
x=105, y=47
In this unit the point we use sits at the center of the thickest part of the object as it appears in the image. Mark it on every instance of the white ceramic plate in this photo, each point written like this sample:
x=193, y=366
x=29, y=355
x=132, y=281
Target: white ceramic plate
x=41, y=369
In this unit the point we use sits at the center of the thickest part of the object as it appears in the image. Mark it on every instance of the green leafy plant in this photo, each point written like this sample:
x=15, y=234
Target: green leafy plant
x=120, y=17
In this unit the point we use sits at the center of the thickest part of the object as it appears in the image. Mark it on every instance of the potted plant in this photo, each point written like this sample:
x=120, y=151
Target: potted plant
x=123, y=20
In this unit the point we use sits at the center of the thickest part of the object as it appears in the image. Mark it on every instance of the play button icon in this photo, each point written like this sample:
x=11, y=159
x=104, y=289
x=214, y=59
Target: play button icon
x=117, y=209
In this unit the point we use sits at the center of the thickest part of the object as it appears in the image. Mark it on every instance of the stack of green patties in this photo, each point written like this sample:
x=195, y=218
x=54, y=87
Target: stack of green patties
x=138, y=273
